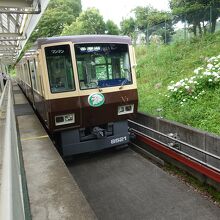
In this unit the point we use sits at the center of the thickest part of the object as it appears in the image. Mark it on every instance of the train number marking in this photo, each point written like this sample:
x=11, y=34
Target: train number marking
x=57, y=51
x=118, y=140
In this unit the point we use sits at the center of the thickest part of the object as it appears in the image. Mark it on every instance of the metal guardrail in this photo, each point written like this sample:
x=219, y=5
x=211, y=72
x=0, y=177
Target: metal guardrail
x=12, y=202
x=179, y=142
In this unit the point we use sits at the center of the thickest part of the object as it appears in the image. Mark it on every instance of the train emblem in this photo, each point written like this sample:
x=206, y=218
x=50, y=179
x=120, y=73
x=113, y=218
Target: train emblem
x=96, y=99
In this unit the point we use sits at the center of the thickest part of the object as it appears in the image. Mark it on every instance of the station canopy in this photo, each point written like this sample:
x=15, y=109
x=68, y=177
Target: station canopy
x=18, y=19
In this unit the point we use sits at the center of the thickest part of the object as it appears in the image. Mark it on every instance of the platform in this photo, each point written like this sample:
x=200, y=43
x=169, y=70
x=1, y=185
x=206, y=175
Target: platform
x=53, y=193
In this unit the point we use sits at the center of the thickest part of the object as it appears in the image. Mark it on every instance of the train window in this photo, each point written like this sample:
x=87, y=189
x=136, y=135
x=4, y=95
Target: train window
x=39, y=86
x=60, y=69
x=33, y=74
x=27, y=73
x=103, y=65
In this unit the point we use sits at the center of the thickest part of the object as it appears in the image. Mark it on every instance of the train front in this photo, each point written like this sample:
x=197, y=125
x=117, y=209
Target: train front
x=105, y=84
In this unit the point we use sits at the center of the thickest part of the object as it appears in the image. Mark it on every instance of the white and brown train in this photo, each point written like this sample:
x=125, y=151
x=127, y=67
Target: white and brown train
x=83, y=88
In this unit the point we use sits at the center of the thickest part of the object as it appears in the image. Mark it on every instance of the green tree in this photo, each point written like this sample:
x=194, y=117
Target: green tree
x=197, y=13
x=214, y=6
x=111, y=28
x=128, y=27
x=58, y=14
x=88, y=22
x=190, y=12
x=151, y=21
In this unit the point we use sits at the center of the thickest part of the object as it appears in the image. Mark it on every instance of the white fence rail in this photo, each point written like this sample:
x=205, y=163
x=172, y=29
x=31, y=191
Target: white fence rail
x=12, y=190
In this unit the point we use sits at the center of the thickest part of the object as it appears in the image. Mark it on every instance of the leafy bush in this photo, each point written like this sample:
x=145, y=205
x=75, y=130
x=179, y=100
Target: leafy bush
x=158, y=66
x=206, y=77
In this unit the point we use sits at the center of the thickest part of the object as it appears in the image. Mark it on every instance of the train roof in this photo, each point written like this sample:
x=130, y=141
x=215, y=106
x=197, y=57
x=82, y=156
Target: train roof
x=80, y=39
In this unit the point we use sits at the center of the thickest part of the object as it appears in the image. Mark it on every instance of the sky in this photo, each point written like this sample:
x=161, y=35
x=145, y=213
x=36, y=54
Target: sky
x=116, y=10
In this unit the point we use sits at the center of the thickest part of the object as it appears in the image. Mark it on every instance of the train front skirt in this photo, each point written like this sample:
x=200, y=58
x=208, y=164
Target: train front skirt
x=71, y=142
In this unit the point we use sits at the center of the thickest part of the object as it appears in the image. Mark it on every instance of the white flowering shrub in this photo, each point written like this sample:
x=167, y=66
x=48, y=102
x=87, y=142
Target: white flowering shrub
x=207, y=76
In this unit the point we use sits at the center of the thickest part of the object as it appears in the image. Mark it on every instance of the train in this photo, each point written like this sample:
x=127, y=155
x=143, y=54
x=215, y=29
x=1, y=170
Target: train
x=83, y=89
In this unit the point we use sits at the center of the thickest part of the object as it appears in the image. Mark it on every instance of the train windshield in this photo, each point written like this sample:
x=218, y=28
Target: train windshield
x=60, y=70
x=103, y=65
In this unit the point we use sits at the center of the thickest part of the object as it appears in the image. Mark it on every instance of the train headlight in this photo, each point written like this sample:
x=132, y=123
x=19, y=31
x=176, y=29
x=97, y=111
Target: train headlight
x=125, y=109
x=65, y=119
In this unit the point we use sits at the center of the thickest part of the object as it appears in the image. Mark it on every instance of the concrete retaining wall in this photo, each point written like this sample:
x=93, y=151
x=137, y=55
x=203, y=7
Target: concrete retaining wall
x=200, y=139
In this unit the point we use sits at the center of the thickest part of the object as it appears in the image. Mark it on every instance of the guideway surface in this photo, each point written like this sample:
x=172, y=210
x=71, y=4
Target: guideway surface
x=53, y=193
x=124, y=185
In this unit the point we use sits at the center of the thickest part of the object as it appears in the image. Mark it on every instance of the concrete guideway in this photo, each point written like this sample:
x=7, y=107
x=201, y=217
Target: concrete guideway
x=124, y=185
x=53, y=193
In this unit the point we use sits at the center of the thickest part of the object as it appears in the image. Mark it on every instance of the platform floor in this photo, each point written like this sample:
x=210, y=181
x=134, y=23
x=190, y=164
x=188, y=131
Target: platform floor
x=124, y=185
x=53, y=193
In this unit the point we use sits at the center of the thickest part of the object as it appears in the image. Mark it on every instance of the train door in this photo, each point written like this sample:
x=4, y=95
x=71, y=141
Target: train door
x=33, y=75
x=42, y=105
x=27, y=76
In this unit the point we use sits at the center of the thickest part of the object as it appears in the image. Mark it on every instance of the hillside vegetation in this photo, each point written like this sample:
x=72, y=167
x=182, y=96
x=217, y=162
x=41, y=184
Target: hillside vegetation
x=161, y=65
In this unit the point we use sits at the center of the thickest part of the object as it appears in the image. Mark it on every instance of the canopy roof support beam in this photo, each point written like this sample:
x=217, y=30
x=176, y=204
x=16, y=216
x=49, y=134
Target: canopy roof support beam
x=20, y=10
x=13, y=38
x=10, y=35
x=20, y=7
x=16, y=3
x=9, y=46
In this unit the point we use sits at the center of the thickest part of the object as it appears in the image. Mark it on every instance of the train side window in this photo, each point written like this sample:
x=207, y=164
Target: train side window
x=60, y=68
x=37, y=70
x=27, y=73
x=33, y=74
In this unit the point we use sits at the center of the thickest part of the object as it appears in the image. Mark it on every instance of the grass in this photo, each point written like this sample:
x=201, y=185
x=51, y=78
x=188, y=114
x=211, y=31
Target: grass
x=159, y=65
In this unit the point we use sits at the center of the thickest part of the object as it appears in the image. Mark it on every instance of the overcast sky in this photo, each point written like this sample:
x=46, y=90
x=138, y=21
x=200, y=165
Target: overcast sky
x=117, y=9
